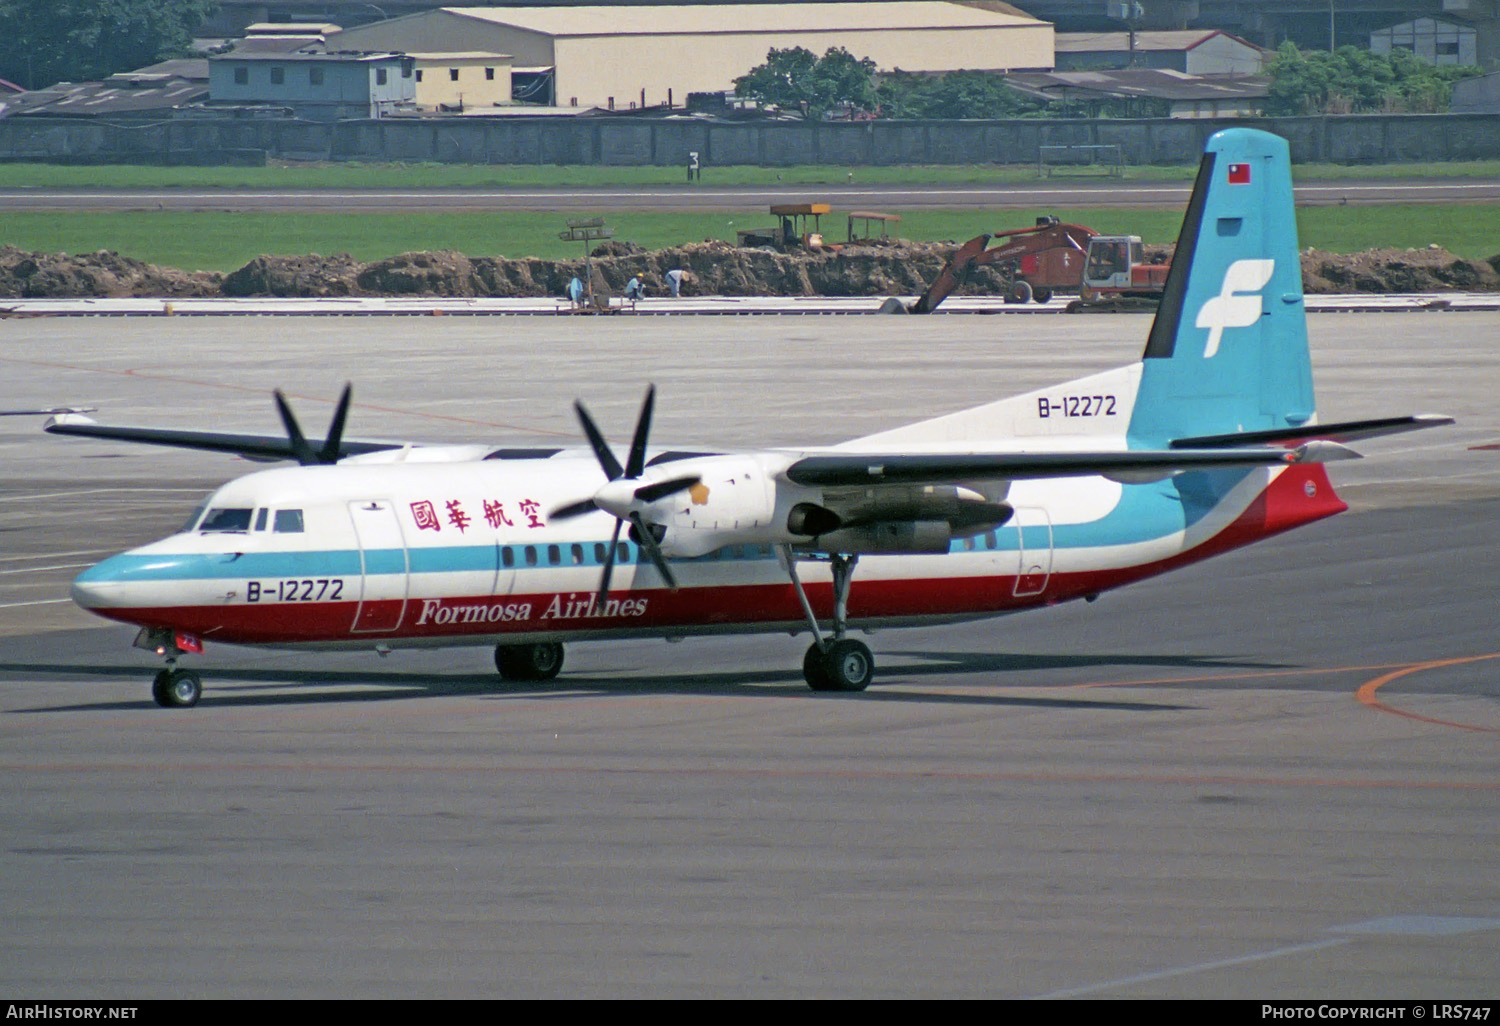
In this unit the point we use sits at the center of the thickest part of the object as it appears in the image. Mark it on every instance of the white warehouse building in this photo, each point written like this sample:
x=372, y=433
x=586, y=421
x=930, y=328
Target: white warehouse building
x=619, y=57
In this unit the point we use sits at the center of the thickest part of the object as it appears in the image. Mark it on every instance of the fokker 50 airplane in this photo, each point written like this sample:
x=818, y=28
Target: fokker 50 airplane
x=1209, y=442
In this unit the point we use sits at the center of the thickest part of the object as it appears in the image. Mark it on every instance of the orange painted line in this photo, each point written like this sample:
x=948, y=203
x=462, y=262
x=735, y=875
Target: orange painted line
x=1366, y=692
x=1210, y=678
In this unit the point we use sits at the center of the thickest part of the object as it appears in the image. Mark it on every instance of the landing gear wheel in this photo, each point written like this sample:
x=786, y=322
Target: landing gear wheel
x=1041, y=295
x=177, y=689
x=1018, y=292
x=159, y=687
x=529, y=662
x=815, y=670
x=846, y=665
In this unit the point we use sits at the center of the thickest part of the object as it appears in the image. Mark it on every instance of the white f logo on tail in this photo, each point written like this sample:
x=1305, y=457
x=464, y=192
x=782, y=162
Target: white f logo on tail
x=1236, y=305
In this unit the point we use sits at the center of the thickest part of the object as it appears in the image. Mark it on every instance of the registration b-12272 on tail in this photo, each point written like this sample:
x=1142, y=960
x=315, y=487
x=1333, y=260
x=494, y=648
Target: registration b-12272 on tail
x=1210, y=442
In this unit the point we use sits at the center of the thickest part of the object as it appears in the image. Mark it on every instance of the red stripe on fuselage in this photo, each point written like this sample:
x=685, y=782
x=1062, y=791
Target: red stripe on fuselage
x=1297, y=496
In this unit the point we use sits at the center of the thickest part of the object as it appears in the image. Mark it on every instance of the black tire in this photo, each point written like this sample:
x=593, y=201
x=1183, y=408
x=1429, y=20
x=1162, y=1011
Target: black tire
x=815, y=670
x=846, y=665
x=181, y=690
x=541, y=661
x=159, y=688
x=1018, y=292
x=1041, y=295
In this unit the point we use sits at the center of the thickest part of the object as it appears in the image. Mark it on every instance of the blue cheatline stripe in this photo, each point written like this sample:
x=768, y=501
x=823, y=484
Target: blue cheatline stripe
x=1143, y=513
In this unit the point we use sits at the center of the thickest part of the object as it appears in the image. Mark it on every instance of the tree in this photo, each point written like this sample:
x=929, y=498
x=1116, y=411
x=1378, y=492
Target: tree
x=1358, y=81
x=48, y=41
x=958, y=94
x=797, y=80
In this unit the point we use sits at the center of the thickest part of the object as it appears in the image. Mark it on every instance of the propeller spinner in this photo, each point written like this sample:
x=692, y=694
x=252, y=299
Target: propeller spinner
x=624, y=496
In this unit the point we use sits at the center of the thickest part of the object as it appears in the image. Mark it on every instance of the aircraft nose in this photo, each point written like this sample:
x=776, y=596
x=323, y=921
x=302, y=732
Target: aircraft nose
x=101, y=584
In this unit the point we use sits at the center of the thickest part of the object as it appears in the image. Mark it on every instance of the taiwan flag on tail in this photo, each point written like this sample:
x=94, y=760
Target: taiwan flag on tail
x=1239, y=174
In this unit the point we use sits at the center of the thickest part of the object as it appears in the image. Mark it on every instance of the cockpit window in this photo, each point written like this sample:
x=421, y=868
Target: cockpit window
x=288, y=521
x=260, y=519
x=226, y=520
x=194, y=517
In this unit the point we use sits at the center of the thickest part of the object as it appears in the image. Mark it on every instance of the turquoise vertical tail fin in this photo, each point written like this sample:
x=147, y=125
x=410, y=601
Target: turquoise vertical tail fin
x=1228, y=349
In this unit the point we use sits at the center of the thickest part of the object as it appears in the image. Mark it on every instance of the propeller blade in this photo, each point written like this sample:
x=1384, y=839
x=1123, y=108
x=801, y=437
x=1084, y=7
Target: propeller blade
x=330, y=451
x=607, y=461
x=609, y=565
x=300, y=449
x=573, y=509
x=648, y=542
x=636, y=464
x=661, y=489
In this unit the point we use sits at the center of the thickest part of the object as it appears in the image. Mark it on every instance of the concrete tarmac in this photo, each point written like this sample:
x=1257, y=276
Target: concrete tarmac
x=1272, y=775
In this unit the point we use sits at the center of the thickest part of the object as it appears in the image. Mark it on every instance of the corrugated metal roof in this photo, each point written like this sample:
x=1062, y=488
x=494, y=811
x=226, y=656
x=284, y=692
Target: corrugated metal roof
x=113, y=97
x=1119, y=42
x=1156, y=83
x=701, y=20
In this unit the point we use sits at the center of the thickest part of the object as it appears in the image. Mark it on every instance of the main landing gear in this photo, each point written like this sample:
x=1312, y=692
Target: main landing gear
x=541, y=661
x=835, y=663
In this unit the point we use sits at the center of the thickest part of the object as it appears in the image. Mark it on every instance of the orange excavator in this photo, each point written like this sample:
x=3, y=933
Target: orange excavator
x=1050, y=257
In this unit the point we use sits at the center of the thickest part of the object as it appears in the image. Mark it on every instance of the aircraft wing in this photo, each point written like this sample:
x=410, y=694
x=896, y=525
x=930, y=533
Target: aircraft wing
x=1347, y=431
x=935, y=468
x=254, y=447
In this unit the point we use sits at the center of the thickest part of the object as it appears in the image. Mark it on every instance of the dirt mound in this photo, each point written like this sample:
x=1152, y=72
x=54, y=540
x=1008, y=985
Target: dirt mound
x=26, y=275
x=294, y=276
x=1433, y=269
x=890, y=268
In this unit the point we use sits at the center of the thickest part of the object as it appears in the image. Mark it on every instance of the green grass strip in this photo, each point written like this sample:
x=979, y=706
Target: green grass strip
x=341, y=175
x=224, y=241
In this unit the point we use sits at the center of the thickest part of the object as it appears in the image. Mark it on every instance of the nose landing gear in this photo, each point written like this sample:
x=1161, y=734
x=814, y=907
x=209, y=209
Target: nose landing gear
x=177, y=689
x=172, y=687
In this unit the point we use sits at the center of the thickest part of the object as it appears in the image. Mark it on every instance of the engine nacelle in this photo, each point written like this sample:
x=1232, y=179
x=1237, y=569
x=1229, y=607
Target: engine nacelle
x=903, y=536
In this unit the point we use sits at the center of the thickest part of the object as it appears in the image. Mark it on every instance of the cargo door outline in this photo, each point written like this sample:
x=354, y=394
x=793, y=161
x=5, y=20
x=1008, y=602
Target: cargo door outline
x=1033, y=550
x=384, y=567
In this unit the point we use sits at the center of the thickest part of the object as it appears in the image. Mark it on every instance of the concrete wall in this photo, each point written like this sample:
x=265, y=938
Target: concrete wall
x=1344, y=140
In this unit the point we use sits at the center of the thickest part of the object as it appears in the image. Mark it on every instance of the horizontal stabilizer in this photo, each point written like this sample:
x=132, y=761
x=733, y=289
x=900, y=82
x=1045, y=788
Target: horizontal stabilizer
x=1348, y=431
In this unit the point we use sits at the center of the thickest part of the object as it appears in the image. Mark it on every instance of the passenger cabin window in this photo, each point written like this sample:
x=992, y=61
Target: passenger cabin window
x=554, y=555
x=288, y=521
x=508, y=557
x=226, y=520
